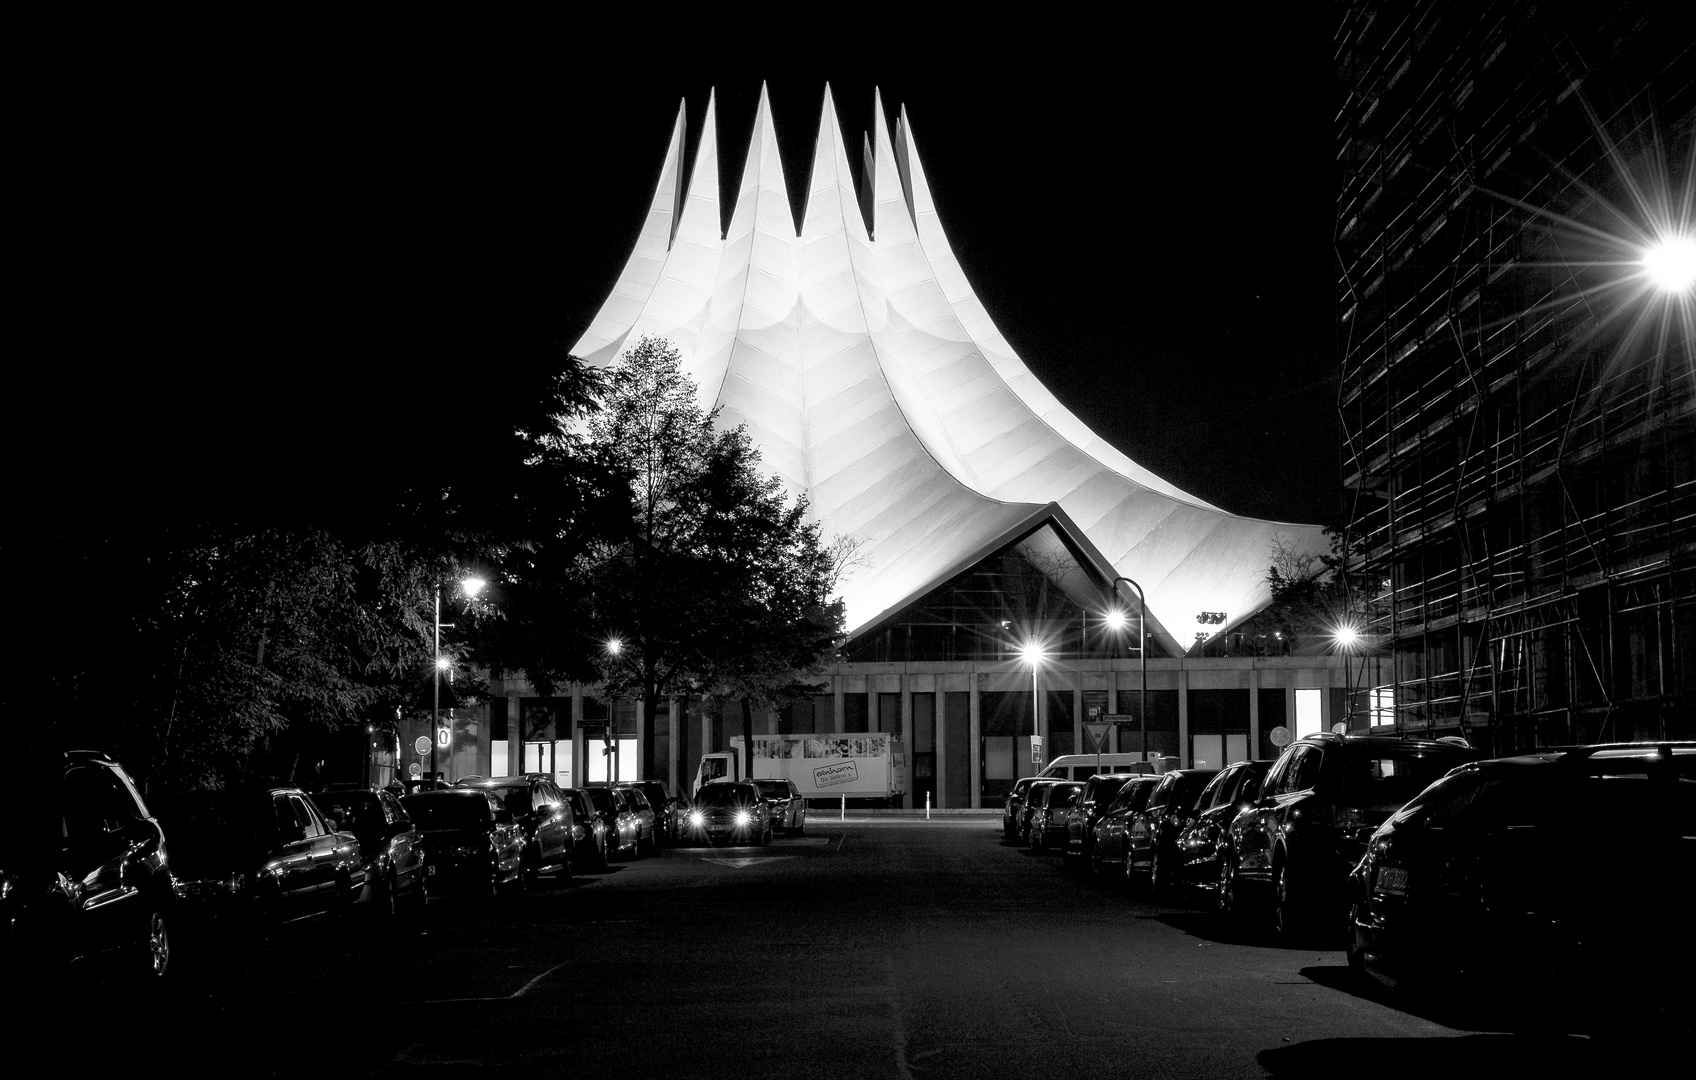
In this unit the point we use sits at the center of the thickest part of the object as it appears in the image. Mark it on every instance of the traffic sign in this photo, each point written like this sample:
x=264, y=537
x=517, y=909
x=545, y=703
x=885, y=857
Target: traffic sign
x=422, y=745
x=415, y=770
x=1036, y=749
x=1280, y=736
x=1097, y=734
x=1118, y=718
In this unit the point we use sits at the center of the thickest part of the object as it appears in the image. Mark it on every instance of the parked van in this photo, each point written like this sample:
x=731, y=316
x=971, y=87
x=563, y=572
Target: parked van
x=1084, y=766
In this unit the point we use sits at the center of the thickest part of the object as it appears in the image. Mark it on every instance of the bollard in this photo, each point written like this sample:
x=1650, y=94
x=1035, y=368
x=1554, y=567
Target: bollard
x=842, y=815
x=927, y=806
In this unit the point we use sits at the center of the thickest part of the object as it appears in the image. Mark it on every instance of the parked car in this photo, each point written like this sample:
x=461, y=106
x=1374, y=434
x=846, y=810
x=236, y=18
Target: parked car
x=391, y=845
x=252, y=858
x=788, y=810
x=1098, y=792
x=471, y=840
x=664, y=804
x=1232, y=791
x=84, y=871
x=1288, y=856
x=1539, y=880
x=590, y=834
x=1107, y=848
x=1013, y=810
x=1151, y=834
x=622, y=825
x=1049, y=805
x=647, y=818
x=729, y=810
x=1033, y=792
x=543, y=813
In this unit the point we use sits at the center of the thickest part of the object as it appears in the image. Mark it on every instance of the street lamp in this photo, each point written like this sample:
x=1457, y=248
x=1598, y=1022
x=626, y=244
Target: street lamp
x=1142, y=661
x=1671, y=263
x=470, y=586
x=1031, y=653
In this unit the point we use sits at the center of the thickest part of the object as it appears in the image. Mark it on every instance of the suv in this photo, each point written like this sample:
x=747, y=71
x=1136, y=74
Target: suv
x=1235, y=789
x=83, y=873
x=1467, y=891
x=1294, y=847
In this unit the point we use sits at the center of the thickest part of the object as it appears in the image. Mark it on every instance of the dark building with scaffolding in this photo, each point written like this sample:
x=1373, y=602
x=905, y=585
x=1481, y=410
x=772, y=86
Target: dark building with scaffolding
x=1518, y=399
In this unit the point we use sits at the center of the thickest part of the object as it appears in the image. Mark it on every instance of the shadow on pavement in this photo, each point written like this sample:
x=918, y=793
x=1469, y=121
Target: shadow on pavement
x=1469, y=1055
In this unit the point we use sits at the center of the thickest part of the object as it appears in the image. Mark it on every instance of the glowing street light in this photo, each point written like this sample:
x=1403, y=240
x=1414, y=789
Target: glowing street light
x=1031, y=653
x=1142, y=658
x=1671, y=263
x=470, y=586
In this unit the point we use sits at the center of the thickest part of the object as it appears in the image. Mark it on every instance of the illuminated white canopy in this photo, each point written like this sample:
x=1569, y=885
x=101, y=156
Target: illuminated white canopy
x=872, y=380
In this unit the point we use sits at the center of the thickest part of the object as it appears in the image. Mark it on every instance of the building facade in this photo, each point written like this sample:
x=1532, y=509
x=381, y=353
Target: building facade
x=1021, y=582
x=1518, y=394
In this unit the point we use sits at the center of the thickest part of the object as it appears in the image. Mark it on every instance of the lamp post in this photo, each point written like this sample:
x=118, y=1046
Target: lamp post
x=470, y=586
x=1142, y=662
x=1031, y=651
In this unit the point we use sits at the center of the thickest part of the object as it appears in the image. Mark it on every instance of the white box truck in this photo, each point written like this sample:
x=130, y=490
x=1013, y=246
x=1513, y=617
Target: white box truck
x=854, y=764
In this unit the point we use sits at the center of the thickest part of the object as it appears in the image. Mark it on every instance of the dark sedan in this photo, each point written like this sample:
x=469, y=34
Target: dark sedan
x=784, y=802
x=543, y=813
x=1049, y=805
x=1098, y=794
x=1199, y=842
x=247, y=858
x=1107, y=849
x=1151, y=835
x=730, y=811
x=590, y=834
x=470, y=839
x=1543, y=881
x=393, y=849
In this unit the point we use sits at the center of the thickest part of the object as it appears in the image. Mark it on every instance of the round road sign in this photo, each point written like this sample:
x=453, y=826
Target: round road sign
x=422, y=745
x=1280, y=736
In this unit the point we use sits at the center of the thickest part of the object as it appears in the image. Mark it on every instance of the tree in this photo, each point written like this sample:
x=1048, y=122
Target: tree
x=721, y=584
x=1313, y=597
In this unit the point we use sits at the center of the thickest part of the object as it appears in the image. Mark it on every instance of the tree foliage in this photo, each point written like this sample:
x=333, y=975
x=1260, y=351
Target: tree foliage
x=722, y=583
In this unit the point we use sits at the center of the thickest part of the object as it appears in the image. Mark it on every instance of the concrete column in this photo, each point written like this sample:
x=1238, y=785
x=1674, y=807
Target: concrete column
x=974, y=755
x=1254, y=710
x=1113, y=707
x=942, y=752
x=1183, y=716
x=907, y=738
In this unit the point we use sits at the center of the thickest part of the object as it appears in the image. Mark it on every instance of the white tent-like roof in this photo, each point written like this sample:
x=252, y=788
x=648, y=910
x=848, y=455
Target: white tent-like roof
x=872, y=380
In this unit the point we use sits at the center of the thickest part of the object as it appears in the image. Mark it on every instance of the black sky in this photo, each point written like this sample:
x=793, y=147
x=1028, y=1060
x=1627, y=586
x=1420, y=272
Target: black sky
x=292, y=272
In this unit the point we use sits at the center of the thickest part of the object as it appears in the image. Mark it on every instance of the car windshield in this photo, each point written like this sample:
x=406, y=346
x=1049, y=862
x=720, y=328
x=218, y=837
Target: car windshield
x=721, y=795
x=446, y=810
x=602, y=798
x=353, y=809
x=773, y=789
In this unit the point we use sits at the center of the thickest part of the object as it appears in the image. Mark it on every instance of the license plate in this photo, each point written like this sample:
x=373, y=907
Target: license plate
x=1392, y=880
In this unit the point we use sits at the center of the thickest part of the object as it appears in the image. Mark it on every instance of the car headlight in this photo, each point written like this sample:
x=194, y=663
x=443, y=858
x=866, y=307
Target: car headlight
x=697, y=818
x=743, y=817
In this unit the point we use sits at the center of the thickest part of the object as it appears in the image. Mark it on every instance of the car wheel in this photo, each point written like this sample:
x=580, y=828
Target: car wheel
x=1286, y=913
x=1129, y=871
x=492, y=887
x=1096, y=866
x=421, y=897
x=1158, y=873
x=391, y=897
x=1226, y=900
x=159, y=953
x=1351, y=946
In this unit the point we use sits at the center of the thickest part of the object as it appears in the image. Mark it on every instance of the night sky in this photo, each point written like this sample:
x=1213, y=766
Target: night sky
x=292, y=275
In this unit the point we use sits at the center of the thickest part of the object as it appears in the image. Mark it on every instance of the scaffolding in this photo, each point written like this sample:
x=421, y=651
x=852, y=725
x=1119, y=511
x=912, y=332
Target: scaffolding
x=1520, y=457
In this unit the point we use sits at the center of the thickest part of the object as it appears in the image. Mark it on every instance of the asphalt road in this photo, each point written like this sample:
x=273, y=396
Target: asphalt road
x=869, y=948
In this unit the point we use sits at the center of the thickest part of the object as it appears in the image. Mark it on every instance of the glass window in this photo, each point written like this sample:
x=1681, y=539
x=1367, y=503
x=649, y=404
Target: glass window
x=1217, y=791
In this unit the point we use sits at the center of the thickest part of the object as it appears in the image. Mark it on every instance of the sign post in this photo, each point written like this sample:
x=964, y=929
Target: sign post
x=1097, y=735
